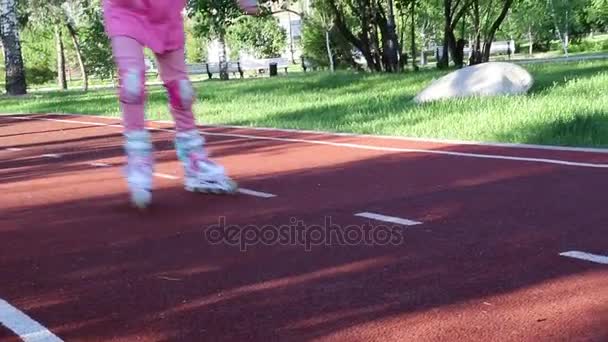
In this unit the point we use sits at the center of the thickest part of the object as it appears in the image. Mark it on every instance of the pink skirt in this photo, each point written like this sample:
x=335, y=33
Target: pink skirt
x=157, y=24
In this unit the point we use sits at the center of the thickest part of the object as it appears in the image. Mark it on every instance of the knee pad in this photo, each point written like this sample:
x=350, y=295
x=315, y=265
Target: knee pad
x=181, y=94
x=133, y=87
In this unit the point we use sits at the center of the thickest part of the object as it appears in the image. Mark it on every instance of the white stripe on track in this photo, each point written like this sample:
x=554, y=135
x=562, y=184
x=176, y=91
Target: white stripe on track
x=99, y=164
x=256, y=193
x=248, y=192
x=389, y=219
x=375, y=136
x=51, y=156
x=24, y=326
x=359, y=146
x=598, y=259
x=166, y=176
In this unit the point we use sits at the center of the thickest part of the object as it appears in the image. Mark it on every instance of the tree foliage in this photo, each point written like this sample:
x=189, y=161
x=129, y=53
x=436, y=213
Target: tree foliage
x=262, y=37
x=317, y=28
x=40, y=36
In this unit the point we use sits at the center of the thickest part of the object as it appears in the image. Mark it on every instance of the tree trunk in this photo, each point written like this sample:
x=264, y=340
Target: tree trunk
x=444, y=61
x=413, y=33
x=530, y=41
x=375, y=47
x=451, y=20
x=402, y=37
x=223, y=62
x=557, y=30
x=423, y=49
x=11, y=43
x=83, y=70
x=361, y=43
x=457, y=54
x=567, y=34
x=329, y=54
x=476, y=46
x=492, y=32
x=392, y=40
x=61, y=76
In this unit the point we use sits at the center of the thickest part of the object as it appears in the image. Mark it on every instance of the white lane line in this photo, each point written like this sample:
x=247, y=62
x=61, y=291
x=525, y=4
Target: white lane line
x=22, y=325
x=51, y=155
x=374, y=136
x=166, y=176
x=360, y=146
x=98, y=164
x=414, y=150
x=390, y=219
x=242, y=191
x=256, y=193
x=599, y=259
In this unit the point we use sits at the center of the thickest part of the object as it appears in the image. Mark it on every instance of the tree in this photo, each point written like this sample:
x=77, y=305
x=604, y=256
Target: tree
x=487, y=16
x=261, y=36
x=322, y=19
x=11, y=43
x=73, y=11
x=95, y=44
x=41, y=14
x=322, y=42
x=61, y=78
x=391, y=41
x=564, y=16
x=428, y=22
x=597, y=13
x=370, y=29
x=38, y=50
x=413, y=33
x=212, y=19
x=196, y=47
x=453, y=12
x=530, y=22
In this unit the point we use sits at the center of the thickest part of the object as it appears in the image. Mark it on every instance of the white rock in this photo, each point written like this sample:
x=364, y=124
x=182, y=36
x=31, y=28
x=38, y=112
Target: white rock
x=487, y=79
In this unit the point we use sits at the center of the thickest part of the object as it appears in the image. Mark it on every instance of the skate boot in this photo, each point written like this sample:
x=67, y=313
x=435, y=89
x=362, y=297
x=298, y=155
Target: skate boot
x=201, y=174
x=139, y=171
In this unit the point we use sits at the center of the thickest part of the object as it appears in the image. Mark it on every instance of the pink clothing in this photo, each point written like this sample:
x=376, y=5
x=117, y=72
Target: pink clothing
x=157, y=24
x=129, y=55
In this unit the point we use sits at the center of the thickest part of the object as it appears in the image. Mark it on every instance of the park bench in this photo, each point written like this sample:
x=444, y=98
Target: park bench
x=257, y=65
x=497, y=48
x=214, y=68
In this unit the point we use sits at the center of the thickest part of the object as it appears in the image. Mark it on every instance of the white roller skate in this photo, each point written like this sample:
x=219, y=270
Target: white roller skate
x=139, y=170
x=201, y=174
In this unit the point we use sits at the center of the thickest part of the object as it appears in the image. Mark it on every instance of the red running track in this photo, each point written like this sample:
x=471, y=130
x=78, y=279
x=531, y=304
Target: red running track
x=483, y=264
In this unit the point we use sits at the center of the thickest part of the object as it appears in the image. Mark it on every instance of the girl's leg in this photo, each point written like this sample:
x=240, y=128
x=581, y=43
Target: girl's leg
x=129, y=57
x=201, y=174
x=173, y=72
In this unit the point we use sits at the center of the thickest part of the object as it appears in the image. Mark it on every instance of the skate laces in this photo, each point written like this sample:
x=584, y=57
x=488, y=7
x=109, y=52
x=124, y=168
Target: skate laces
x=195, y=158
x=204, y=168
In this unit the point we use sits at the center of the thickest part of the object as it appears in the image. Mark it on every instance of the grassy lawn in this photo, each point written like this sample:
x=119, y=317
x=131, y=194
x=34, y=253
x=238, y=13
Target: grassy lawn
x=567, y=106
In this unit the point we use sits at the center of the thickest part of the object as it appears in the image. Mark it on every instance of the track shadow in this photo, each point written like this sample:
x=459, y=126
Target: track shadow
x=30, y=164
x=20, y=134
x=156, y=275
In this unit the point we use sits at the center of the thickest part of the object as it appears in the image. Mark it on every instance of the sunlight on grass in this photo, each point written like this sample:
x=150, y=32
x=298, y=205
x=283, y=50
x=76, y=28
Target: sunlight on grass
x=567, y=105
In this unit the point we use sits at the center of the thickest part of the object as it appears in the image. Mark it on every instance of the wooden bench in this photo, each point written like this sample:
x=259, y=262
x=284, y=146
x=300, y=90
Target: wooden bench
x=497, y=48
x=213, y=68
x=259, y=66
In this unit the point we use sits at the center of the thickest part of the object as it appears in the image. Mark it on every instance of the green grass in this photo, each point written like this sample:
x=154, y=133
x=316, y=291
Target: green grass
x=567, y=106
